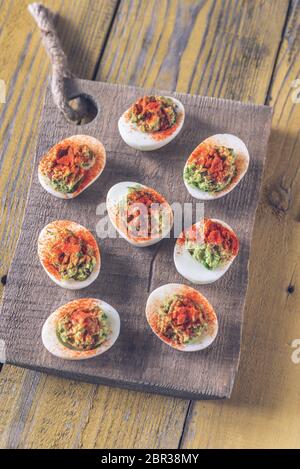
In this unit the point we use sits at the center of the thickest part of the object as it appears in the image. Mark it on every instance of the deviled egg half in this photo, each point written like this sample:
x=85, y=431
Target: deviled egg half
x=81, y=329
x=69, y=254
x=216, y=166
x=140, y=214
x=72, y=165
x=205, y=251
x=181, y=317
x=151, y=122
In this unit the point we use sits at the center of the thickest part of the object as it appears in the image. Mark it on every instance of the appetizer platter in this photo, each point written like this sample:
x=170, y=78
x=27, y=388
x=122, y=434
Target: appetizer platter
x=122, y=310
x=69, y=254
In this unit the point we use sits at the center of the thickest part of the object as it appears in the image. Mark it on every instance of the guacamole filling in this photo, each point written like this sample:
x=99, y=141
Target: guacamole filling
x=142, y=213
x=66, y=165
x=211, y=168
x=180, y=320
x=218, y=247
x=153, y=113
x=83, y=329
x=71, y=256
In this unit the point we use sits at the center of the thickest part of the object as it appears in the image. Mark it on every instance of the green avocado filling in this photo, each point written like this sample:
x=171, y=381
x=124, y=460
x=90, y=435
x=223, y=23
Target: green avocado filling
x=65, y=185
x=212, y=172
x=83, y=329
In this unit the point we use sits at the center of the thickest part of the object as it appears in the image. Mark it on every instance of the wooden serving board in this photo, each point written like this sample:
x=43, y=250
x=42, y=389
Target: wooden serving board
x=138, y=360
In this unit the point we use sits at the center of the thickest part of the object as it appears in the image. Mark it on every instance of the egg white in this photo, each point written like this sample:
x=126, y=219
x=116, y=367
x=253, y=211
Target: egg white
x=114, y=196
x=157, y=298
x=193, y=270
x=144, y=141
x=56, y=348
x=70, y=284
x=95, y=145
x=229, y=141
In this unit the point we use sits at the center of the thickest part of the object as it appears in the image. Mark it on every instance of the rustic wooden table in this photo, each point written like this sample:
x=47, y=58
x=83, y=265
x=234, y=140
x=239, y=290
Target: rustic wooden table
x=247, y=50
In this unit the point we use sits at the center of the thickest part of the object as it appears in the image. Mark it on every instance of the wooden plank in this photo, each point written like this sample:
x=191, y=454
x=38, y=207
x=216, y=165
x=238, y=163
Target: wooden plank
x=38, y=411
x=194, y=16
x=264, y=409
x=138, y=360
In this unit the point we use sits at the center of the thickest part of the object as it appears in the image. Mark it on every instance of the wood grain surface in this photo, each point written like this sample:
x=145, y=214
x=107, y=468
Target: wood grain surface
x=29, y=417
x=138, y=360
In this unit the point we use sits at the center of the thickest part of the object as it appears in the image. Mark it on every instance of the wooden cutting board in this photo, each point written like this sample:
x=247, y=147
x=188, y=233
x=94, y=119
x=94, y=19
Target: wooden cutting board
x=138, y=360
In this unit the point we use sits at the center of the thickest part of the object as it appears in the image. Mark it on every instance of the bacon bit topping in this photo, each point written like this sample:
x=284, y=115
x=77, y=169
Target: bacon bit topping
x=185, y=313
